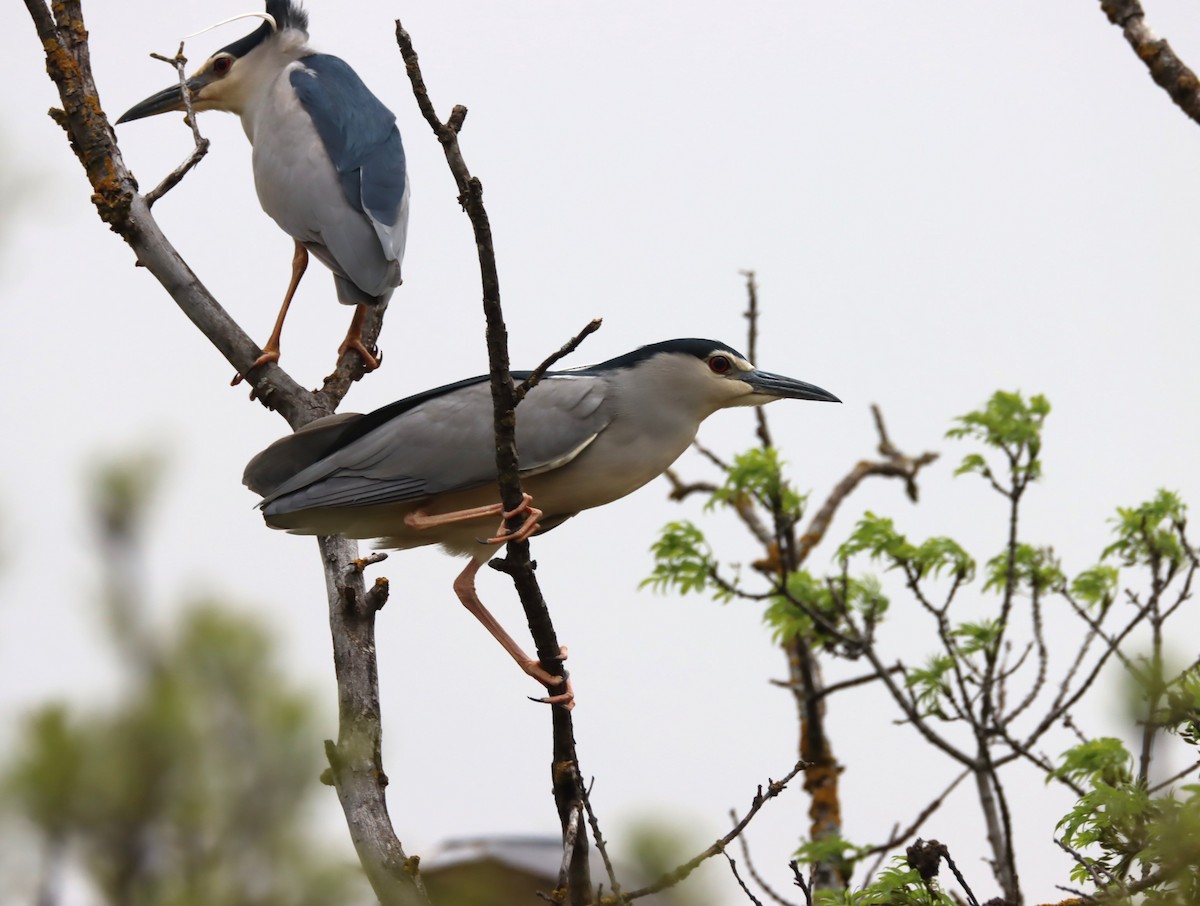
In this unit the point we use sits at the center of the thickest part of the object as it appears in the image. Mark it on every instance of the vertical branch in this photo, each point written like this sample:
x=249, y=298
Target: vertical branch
x=566, y=783
x=804, y=668
x=355, y=761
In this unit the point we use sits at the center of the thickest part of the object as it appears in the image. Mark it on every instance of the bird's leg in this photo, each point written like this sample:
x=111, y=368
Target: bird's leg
x=419, y=519
x=464, y=587
x=270, y=350
x=354, y=340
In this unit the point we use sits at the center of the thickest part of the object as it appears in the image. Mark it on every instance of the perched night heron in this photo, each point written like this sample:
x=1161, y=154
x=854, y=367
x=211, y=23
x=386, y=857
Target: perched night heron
x=423, y=470
x=328, y=162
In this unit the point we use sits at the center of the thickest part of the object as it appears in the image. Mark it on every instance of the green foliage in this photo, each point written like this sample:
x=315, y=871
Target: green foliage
x=973, y=638
x=1010, y=424
x=1096, y=587
x=194, y=787
x=1103, y=760
x=1034, y=569
x=1151, y=534
x=758, y=474
x=1180, y=713
x=682, y=561
x=896, y=885
x=877, y=536
x=930, y=685
x=212, y=758
x=1124, y=832
x=790, y=615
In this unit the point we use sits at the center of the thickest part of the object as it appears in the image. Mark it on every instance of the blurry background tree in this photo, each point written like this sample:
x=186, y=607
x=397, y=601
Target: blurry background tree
x=193, y=787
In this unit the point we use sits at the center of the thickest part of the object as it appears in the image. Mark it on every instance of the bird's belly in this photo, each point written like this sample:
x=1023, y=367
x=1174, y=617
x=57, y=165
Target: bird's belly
x=299, y=188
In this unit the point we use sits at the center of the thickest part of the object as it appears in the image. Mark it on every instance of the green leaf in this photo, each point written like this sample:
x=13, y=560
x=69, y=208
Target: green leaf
x=1151, y=533
x=976, y=637
x=1033, y=569
x=1096, y=586
x=682, y=561
x=1010, y=424
x=758, y=474
x=1103, y=760
x=877, y=536
x=930, y=685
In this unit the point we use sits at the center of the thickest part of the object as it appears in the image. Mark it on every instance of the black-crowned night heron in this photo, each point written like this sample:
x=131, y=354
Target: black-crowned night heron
x=423, y=470
x=328, y=162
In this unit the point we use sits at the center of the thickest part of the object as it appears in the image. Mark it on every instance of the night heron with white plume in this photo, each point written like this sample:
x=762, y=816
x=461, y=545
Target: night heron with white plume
x=328, y=162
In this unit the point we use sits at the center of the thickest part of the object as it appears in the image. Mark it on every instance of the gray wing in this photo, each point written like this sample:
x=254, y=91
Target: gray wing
x=446, y=444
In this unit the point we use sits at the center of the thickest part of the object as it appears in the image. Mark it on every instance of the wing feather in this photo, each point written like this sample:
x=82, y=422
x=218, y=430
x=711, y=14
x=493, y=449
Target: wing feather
x=445, y=443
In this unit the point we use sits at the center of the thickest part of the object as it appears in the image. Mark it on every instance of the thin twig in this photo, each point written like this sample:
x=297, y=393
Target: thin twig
x=200, y=147
x=844, y=684
x=750, y=867
x=567, y=348
x=800, y=882
x=598, y=837
x=742, y=884
x=673, y=877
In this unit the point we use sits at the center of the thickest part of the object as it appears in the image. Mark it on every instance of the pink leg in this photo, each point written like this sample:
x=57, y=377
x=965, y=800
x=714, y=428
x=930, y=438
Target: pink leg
x=464, y=587
x=419, y=519
x=354, y=340
x=270, y=350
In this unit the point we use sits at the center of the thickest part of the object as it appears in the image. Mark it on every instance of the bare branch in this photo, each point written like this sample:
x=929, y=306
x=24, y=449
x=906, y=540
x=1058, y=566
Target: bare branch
x=760, y=412
x=201, y=143
x=774, y=788
x=895, y=465
x=355, y=761
x=1167, y=70
x=742, y=884
x=800, y=882
x=745, y=847
x=566, y=782
x=566, y=349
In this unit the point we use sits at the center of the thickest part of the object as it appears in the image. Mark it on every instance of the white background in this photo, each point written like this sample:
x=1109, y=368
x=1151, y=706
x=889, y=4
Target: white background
x=940, y=199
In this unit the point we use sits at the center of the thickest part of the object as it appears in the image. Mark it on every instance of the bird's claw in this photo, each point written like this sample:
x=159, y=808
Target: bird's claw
x=528, y=527
x=269, y=355
x=371, y=359
x=566, y=698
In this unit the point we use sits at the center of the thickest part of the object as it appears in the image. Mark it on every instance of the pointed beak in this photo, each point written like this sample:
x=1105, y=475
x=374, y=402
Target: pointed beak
x=164, y=101
x=777, y=386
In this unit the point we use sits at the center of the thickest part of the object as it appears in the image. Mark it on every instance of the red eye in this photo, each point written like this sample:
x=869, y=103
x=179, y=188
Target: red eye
x=221, y=65
x=719, y=364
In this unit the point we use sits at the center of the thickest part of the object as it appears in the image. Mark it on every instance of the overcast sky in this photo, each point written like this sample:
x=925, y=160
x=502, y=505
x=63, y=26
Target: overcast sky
x=940, y=199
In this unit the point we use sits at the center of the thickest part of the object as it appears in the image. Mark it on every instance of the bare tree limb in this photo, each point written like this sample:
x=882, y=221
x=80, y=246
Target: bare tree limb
x=1167, y=70
x=356, y=768
x=774, y=788
x=566, y=782
x=566, y=349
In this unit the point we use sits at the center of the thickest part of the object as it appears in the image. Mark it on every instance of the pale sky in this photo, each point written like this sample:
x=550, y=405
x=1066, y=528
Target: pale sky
x=940, y=199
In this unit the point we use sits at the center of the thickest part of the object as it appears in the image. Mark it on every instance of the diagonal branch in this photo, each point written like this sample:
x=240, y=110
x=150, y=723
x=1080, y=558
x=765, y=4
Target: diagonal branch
x=671, y=878
x=1167, y=70
x=356, y=766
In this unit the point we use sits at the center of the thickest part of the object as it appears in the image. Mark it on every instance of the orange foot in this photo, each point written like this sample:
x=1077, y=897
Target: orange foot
x=268, y=355
x=528, y=527
x=565, y=698
x=370, y=360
